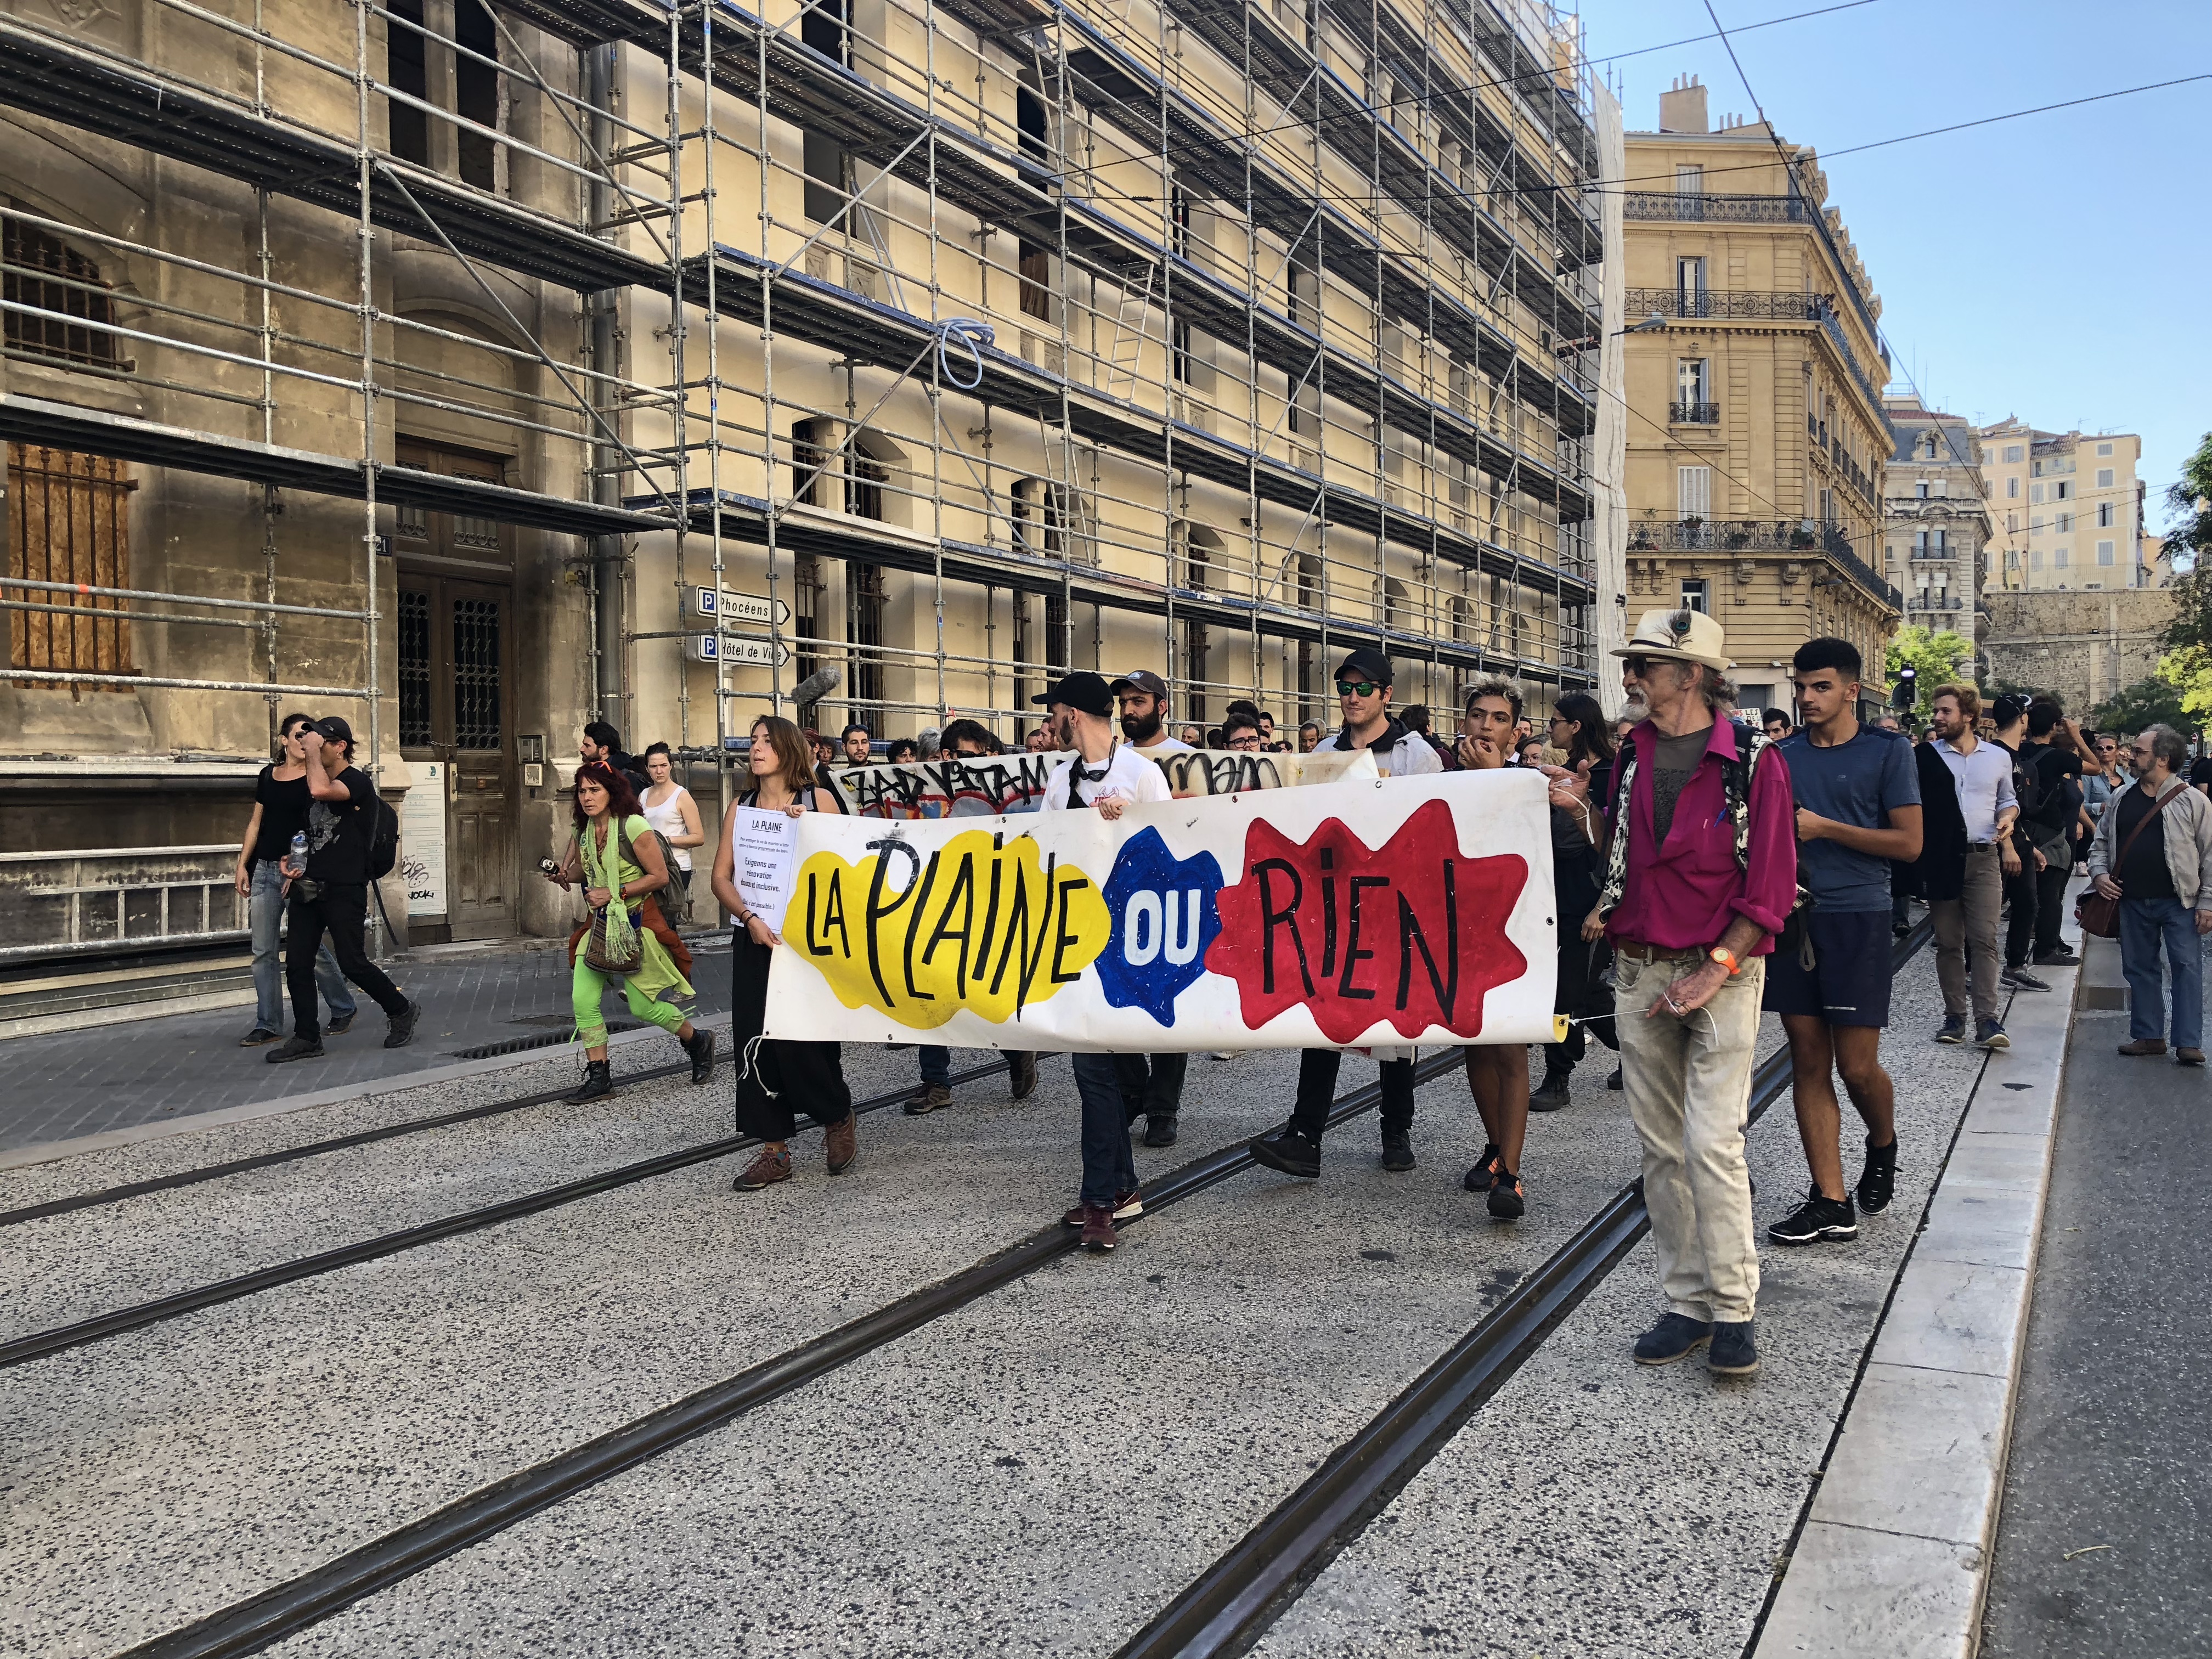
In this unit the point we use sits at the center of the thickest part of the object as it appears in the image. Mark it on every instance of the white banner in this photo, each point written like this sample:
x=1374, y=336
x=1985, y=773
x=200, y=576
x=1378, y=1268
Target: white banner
x=1378, y=913
x=985, y=786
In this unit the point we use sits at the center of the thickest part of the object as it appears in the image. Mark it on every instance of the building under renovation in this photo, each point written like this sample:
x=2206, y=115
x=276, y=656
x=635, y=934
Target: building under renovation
x=474, y=370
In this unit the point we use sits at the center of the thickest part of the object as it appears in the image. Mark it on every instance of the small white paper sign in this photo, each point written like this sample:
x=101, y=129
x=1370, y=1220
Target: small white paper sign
x=762, y=844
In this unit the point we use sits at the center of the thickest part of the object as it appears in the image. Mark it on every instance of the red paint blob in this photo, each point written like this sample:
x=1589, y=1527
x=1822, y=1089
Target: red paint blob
x=1412, y=932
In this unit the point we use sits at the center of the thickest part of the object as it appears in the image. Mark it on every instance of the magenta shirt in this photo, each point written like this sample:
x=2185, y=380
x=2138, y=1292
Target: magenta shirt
x=1682, y=896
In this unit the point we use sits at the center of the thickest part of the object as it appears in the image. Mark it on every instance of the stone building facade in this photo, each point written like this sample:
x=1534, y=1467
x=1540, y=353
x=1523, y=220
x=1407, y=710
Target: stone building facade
x=2066, y=510
x=1757, y=436
x=1935, y=521
x=2087, y=647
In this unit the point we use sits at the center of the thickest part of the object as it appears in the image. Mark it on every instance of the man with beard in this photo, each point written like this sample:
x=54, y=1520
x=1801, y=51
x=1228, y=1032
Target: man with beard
x=1152, y=1085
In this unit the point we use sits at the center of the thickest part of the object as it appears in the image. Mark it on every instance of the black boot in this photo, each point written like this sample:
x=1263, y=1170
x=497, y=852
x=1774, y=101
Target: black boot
x=700, y=1045
x=1552, y=1093
x=597, y=1081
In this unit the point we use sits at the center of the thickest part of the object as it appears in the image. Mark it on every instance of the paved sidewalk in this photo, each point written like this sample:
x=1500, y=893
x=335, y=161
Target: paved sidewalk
x=122, y=1074
x=2116, y=1386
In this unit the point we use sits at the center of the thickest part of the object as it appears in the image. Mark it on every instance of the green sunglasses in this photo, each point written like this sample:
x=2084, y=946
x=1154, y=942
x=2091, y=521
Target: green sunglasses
x=1356, y=687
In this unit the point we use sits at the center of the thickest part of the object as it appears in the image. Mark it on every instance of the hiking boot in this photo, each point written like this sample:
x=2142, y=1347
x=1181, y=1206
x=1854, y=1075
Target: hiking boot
x=1674, y=1336
x=1990, y=1034
x=1160, y=1129
x=401, y=1031
x=2144, y=1046
x=300, y=1047
x=1127, y=1206
x=340, y=1024
x=1617, y=1082
x=1505, y=1199
x=1953, y=1029
x=598, y=1079
x=1098, y=1235
x=928, y=1098
x=1552, y=1093
x=1818, y=1220
x=2189, y=1056
x=842, y=1142
x=1479, y=1178
x=1397, y=1151
x=1733, y=1353
x=770, y=1167
x=1021, y=1073
x=1879, y=1179
x=2021, y=979
x=1290, y=1152
x=701, y=1046
x=260, y=1037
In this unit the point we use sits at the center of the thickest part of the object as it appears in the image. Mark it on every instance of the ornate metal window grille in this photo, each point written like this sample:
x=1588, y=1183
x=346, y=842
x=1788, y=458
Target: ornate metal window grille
x=476, y=722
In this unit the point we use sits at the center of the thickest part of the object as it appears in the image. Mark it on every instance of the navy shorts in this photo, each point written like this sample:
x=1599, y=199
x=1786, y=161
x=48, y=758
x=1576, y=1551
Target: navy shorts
x=1849, y=981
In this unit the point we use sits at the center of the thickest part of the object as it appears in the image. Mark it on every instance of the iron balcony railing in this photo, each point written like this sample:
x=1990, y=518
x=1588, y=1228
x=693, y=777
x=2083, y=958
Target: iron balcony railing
x=1742, y=305
x=116, y=898
x=1805, y=536
x=1697, y=205
x=1923, y=602
x=1694, y=414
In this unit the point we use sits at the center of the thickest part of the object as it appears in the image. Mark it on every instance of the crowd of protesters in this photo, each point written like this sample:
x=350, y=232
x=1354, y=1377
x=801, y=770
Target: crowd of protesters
x=1708, y=866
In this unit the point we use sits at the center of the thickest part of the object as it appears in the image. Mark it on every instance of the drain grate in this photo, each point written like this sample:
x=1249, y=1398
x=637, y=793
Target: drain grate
x=543, y=1040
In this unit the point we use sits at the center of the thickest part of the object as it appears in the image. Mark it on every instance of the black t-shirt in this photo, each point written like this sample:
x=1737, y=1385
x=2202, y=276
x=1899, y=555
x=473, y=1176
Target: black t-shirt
x=283, y=814
x=2200, y=773
x=2146, y=875
x=2058, y=773
x=338, y=832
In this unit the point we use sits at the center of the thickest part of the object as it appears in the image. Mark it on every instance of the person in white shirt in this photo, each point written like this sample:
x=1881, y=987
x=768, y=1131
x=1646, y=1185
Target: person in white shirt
x=669, y=808
x=1152, y=1085
x=1362, y=688
x=1104, y=774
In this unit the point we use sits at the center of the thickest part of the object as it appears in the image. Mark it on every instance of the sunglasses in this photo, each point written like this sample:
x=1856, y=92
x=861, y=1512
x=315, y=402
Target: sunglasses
x=1356, y=687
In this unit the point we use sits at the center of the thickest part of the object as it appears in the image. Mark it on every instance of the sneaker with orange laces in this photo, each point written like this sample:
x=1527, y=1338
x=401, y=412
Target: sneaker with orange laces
x=771, y=1166
x=1506, y=1198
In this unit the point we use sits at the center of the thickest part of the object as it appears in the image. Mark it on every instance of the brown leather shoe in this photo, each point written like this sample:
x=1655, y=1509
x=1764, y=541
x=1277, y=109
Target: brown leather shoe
x=843, y=1142
x=770, y=1167
x=2142, y=1046
x=2190, y=1056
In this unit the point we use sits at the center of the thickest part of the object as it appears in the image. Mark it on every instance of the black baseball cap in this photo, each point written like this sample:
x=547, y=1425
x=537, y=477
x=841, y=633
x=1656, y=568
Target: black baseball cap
x=1143, y=680
x=2007, y=709
x=1086, y=692
x=1365, y=663
x=334, y=729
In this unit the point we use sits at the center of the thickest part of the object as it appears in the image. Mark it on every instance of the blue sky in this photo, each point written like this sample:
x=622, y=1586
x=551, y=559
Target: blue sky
x=2057, y=267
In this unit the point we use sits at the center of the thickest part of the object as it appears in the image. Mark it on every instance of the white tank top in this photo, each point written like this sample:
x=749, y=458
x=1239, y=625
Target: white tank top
x=668, y=818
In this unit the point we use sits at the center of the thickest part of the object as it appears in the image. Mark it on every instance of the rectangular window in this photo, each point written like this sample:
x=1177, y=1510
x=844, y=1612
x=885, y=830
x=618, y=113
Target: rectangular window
x=1689, y=181
x=1035, y=270
x=69, y=520
x=2012, y=488
x=2035, y=524
x=2063, y=490
x=1939, y=544
x=2058, y=559
x=1919, y=543
x=2103, y=477
x=864, y=627
x=2015, y=452
x=73, y=288
x=1693, y=390
x=2035, y=560
x=1694, y=491
x=2063, y=525
x=1694, y=595
x=476, y=93
x=1941, y=487
x=823, y=160
x=2035, y=492
x=1690, y=289
x=406, y=68
x=1923, y=488
x=2103, y=449
x=2105, y=553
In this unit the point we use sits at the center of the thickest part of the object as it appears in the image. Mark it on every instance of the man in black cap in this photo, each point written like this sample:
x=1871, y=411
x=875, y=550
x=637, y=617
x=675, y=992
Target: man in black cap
x=1152, y=1085
x=1107, y=774
x=1362, y=688
x=331, y=895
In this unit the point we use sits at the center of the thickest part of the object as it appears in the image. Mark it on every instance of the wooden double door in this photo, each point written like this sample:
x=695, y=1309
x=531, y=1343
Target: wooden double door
x=456, y=701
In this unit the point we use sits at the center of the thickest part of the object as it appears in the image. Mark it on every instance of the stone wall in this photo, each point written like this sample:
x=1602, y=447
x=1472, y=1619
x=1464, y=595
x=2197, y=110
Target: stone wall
x=2087, y=646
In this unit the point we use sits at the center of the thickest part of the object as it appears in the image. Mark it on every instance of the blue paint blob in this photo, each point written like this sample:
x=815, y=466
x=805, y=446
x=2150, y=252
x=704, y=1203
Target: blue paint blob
x=1164, y=919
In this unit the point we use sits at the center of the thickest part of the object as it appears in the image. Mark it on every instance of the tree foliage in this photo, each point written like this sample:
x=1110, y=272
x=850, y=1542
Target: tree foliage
x=2187, y=543
x=1934, y=658
x=2154, y=701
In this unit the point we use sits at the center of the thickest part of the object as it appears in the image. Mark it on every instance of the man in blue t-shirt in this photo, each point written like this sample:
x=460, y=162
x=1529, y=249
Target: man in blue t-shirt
x=1858, y=806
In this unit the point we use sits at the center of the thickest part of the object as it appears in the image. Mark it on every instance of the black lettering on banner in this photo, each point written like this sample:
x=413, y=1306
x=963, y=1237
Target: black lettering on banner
x=1327, y=912
x=1410, y=937
x=833, y=917
x=1288, y=916
x=990, y=919
x=962, y=895
x=1061, y=939
x=1353, y=955
x=914, y=924
x=877, y=910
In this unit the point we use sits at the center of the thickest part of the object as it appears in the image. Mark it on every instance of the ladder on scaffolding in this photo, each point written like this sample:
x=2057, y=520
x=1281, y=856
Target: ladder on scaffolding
x=1132, y=324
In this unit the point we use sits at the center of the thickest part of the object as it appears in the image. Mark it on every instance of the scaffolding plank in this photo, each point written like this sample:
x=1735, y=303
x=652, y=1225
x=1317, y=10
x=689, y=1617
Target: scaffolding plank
x=95, y=432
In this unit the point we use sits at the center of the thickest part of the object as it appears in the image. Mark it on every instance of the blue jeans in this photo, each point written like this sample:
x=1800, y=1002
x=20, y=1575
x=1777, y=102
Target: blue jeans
x=936, y=1065
x=2145, y=924
x=1109, y=1168
x=264, y=910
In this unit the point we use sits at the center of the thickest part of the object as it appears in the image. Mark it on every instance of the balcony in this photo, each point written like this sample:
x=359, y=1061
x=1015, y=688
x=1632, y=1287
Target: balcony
x=1725, y=304
x=1933, y=602
x=1726, y=536
x=1738, y=209
x=1694, y=414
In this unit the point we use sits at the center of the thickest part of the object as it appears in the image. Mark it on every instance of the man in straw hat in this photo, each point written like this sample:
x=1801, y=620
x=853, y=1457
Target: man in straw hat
x=1701, y=873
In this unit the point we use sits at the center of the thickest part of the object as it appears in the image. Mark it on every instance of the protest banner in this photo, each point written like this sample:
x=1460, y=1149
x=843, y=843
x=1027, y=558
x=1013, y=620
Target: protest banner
x=1378, y=912
x=954, y=786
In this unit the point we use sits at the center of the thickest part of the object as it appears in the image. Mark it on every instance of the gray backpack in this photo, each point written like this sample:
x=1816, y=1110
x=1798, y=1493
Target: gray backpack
x=674, y=899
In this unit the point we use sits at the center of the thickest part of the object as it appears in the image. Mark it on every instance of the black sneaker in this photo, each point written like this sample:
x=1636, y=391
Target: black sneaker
x=295, y=1048
x=1616, y=1082
x=260, y=1037
x=340, y=1024
x=401, y=1031
x=2021, y=979
x=1817, y=1221
x=1160, y=1131
x=1288, y=1150
x=1990, y=1034
x=1397, y=1151
x=1733, y=1353
x=700, y=1048
x=1552, y=1093
x=1022, y=1073
x=1674, y=1336
x=929, y=1097
x=1481, y=1177
x=2060, y=956
x=1878, y=1180
x=1953, y=1028
x=1506, y=1202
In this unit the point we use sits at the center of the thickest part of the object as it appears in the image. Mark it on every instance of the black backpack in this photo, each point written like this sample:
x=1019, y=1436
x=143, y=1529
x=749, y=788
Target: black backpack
x=383, y=839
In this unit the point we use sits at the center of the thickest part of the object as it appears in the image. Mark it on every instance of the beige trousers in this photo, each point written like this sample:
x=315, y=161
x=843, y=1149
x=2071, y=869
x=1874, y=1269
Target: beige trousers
x=1689, y=1089
x=1966, y=928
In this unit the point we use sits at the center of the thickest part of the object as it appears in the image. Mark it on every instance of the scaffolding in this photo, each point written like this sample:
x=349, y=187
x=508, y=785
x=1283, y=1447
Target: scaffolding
x=1244, y=333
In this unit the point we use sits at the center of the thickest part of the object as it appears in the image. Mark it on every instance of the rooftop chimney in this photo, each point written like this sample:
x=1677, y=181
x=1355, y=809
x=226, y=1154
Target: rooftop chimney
x=1682, y=106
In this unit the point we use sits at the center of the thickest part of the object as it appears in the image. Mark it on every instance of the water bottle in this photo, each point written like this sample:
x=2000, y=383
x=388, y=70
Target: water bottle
x=295, y=862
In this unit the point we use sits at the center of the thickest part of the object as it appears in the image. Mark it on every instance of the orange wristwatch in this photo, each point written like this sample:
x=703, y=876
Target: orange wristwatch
x=1726, y=957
